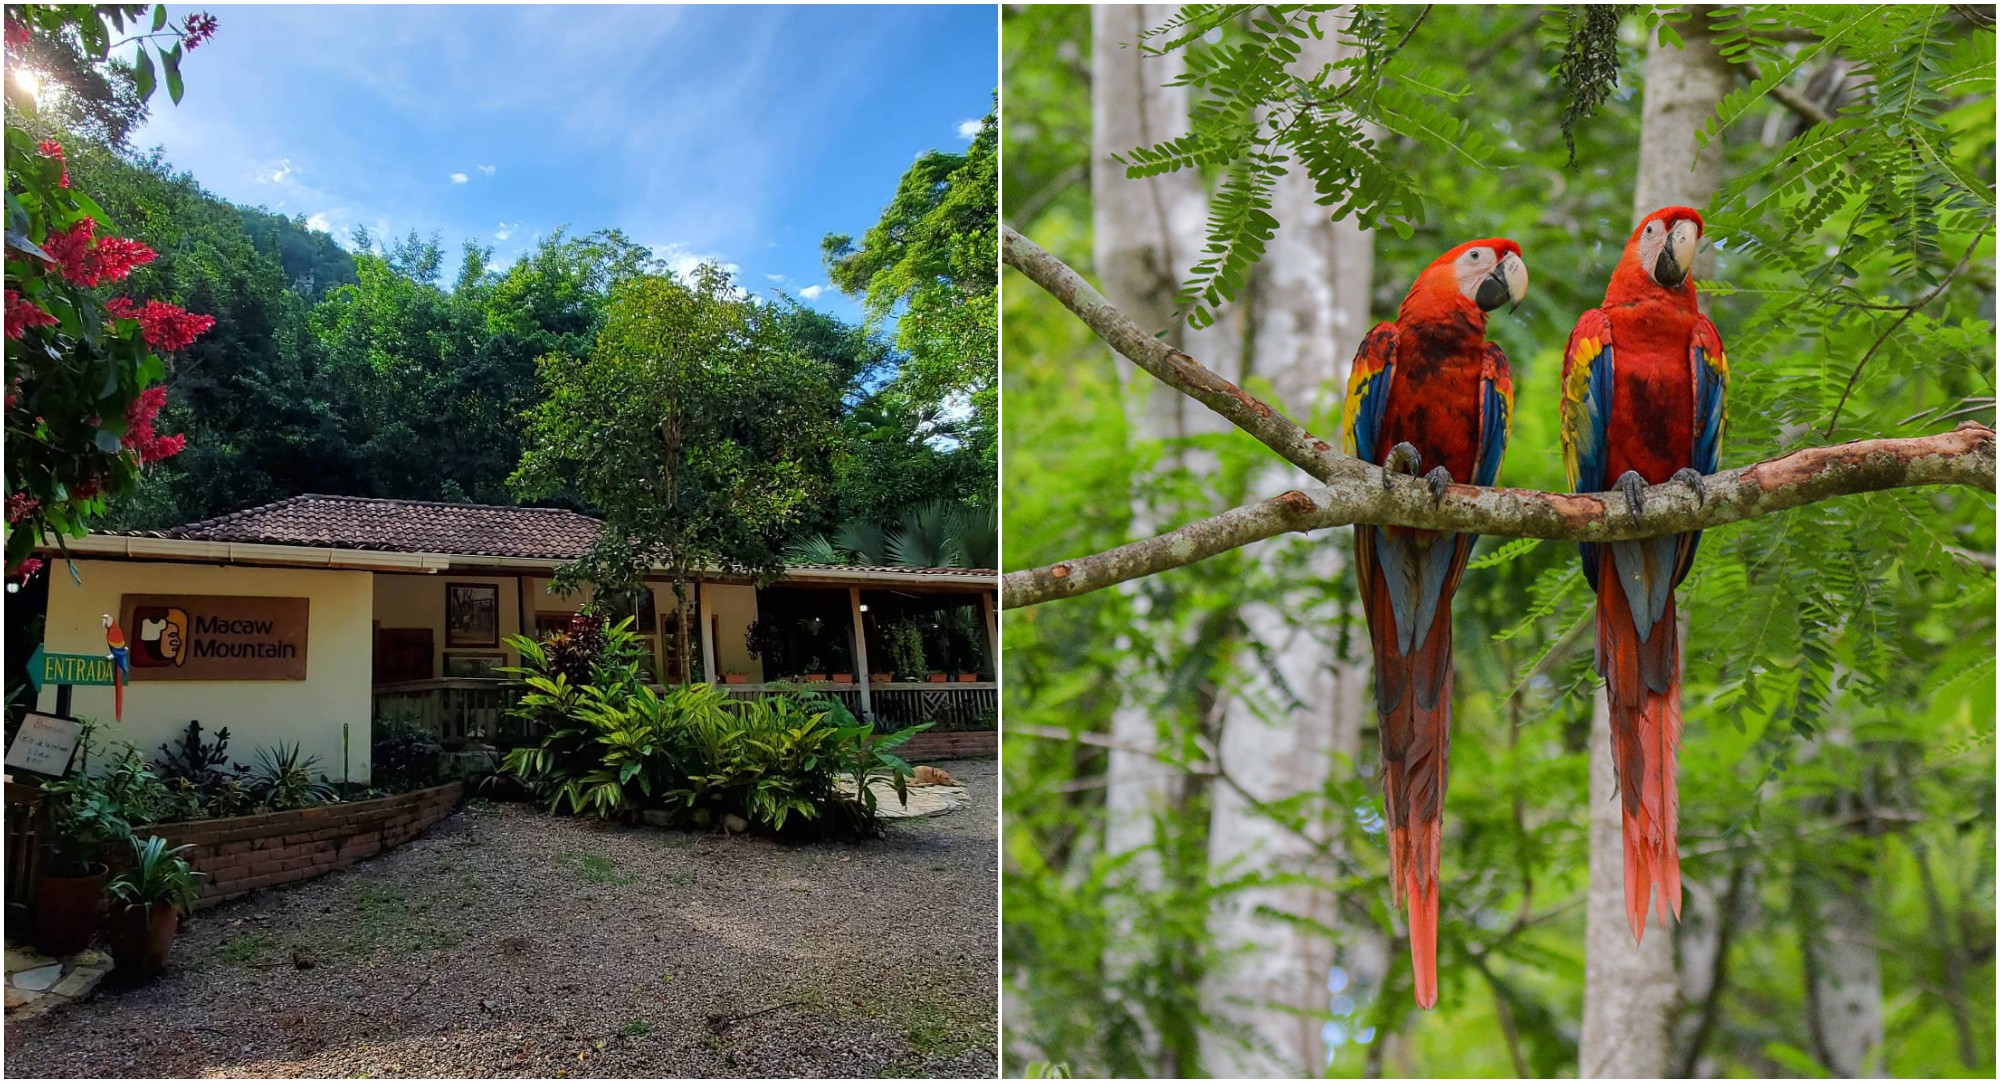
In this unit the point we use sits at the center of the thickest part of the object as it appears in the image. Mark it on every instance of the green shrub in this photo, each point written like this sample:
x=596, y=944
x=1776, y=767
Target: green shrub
x=615, y=747
x=403, y=754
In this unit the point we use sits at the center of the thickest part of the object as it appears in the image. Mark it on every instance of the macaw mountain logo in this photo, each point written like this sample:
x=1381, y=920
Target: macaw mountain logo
x=216, y=638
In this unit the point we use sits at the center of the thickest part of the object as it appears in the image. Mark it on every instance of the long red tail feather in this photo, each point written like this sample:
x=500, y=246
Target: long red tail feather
x=1645, y=739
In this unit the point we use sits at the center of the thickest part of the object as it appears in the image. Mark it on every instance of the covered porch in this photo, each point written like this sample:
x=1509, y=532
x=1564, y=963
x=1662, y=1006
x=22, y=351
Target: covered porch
x=897, y=646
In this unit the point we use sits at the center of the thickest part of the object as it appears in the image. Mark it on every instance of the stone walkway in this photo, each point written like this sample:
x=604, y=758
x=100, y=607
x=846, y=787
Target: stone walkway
x=924, y=800
x=37, y=983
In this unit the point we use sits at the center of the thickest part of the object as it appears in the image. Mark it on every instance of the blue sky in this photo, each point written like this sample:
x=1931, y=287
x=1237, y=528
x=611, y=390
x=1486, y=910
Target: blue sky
x=734, y=132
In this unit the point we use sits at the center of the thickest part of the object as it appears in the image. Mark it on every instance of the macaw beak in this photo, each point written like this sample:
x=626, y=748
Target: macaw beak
x=1677, y=255
x=1507, y=284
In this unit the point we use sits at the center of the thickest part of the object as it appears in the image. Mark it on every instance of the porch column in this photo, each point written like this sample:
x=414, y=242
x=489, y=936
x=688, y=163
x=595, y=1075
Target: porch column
x=992, y=633
x=707, y=636
x=860, y=651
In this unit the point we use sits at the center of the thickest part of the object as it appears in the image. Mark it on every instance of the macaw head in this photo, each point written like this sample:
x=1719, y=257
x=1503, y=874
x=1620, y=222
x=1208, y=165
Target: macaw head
x=1662, y=249
x=1482, y=274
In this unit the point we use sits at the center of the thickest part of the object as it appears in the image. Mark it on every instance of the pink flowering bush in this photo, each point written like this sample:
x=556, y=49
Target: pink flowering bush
x=83, y=371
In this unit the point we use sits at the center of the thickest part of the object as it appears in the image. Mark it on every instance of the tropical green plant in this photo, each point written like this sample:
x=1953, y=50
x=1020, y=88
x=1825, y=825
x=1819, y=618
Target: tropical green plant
x=282, y=779
x=403, y=753
x=82, y=823
x=157, y=875
x=906, y=649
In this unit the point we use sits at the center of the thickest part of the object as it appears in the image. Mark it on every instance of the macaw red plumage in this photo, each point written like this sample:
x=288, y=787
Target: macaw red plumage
x=1642, y=403
x=1427, y=394
x=114, y=640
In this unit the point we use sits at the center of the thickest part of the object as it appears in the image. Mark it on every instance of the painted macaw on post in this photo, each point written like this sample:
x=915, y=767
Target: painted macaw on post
x=1642, y=403
x=114, y=639
x=1427, y=395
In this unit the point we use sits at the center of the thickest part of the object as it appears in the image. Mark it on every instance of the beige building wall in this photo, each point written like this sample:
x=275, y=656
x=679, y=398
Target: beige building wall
x=417, y=601
x=735, y=605
x=339, y=661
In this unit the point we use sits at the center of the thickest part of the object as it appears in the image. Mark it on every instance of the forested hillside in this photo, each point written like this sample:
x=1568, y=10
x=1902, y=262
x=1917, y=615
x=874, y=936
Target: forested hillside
x=393, y=367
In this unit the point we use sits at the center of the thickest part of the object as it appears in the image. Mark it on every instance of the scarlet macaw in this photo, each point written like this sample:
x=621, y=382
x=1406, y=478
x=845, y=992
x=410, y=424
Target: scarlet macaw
x=1642, y=403
x=1427, y=394
x=114, y=638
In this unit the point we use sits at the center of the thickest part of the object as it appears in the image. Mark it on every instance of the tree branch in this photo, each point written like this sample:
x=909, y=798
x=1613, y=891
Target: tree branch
x=1963, y=456
x=1174, y=368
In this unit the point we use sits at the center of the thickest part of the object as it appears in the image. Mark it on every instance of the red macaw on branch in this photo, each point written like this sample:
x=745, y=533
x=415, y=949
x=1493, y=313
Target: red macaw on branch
x=1427, y=395
x=1642, y=403
x=114, y=642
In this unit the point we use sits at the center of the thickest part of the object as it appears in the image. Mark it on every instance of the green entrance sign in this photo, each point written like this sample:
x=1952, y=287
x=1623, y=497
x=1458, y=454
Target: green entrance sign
x=46, y=669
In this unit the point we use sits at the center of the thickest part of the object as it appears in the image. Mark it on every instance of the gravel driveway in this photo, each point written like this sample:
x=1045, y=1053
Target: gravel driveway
x=509, y=942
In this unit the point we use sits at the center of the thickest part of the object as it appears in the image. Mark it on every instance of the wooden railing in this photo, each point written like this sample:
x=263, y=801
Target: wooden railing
x=957, y=705
x=468, y=709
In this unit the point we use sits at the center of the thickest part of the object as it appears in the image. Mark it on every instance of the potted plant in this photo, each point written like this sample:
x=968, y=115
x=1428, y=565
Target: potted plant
x=149, y=898
x=735, y=677
x=967, y=676
x=938, y=678
x=82, y=824
x=843, y=678
x=906, y=650
x=815, y=671
x=881, y=678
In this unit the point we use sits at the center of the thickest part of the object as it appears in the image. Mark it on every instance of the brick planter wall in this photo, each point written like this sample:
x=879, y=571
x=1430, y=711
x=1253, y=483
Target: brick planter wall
x=244, y=853
x=961, y=745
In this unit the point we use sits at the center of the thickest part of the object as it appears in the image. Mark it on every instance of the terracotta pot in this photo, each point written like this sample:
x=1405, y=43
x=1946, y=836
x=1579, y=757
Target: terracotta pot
x=813, y=678
x=141, y=937
x=881, y=678
x=736, y=678
x=843, y=678
x=938, y=678
x=66, y=911
x=967, y=678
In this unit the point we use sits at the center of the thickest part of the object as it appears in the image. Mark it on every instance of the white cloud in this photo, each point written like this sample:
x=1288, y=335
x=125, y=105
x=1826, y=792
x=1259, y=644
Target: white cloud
x=683, y=260
x=968, y=128
x=276, y=173
x=775, y=278
x=505, y=230
x=322, y=221
x=485, y=169
x=459, y=178
x=811, y=293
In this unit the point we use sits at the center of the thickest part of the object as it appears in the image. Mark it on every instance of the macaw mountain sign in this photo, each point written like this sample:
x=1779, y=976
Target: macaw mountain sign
x=203, y=637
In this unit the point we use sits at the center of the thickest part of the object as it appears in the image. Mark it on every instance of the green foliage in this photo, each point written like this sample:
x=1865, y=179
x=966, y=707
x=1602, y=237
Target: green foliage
x=282, y=779
x=1838, y=691
x=404, y=754
x=932, y=261
x=157, y=874
x=693, y=426
x=612, y=747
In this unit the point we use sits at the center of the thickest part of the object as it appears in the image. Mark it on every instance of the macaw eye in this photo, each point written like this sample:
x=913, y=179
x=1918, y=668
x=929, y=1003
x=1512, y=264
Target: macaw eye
x=1474, y=255
x=1650, y=226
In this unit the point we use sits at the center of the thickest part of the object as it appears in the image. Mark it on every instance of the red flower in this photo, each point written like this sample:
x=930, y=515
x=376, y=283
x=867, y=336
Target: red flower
x=20, y=506
x=119, y=256
x=23, y=314
x=198, y=28
x=86, y=260
x=167, y=327
x=139, y=434
x=52, y=149
x=17, y=32
x=28, y=569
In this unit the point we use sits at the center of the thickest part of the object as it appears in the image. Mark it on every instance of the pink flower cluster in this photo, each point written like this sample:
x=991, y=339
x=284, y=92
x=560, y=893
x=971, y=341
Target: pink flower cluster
x=23, y=314
x=87, y=260
x=49, y=148
x=198, y=28
x=167, y=327
x=139, y=434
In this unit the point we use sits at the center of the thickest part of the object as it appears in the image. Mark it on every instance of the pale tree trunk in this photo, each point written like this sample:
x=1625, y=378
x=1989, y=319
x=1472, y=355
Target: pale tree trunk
x=1843, y=972
x=1631, y=992
x=1146, y=235
x=1299, y=709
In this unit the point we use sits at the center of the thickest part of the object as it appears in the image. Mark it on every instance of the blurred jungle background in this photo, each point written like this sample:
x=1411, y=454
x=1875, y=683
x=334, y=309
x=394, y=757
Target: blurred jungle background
x=1195, y=872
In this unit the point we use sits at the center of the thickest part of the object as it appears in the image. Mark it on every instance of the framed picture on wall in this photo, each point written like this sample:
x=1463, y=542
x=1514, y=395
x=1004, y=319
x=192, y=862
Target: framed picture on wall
x=471, y=615
x=466, y=664
x=548, y=624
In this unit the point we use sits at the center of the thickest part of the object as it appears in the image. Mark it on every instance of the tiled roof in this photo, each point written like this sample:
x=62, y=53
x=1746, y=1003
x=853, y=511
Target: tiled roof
x=429, y=526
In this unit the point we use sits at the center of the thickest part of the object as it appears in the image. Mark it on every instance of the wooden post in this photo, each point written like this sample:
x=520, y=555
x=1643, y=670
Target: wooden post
x=992, y=633
x=860, y=653
x=708, y=640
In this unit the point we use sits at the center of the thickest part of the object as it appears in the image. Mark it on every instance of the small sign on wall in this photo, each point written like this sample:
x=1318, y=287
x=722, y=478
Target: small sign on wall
x=199, y=637
x=44, y=745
